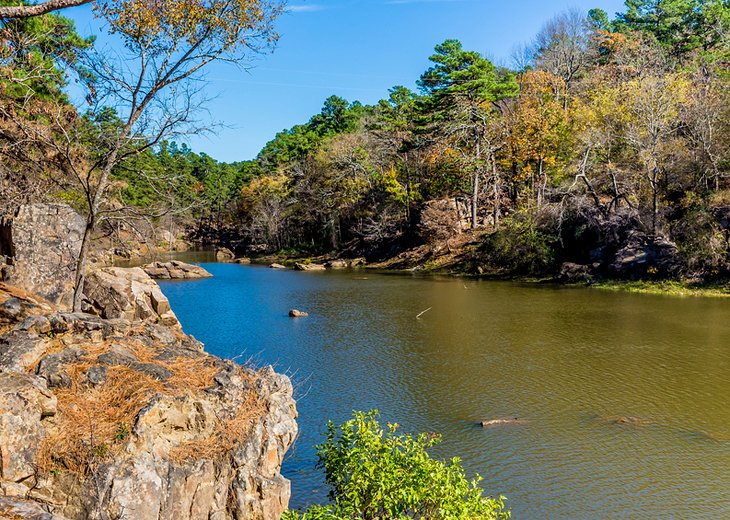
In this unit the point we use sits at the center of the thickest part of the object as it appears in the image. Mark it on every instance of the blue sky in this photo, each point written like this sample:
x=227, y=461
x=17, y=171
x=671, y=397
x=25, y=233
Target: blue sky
x=356, y=49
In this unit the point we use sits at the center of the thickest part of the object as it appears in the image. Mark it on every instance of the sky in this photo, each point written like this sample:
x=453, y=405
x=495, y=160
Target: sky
x=356, y=49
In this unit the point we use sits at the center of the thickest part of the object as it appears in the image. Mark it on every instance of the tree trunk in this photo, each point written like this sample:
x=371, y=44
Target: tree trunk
x=475, y=190
x=497, y=191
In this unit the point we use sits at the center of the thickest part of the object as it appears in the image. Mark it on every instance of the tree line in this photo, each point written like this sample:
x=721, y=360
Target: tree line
x=603, y=127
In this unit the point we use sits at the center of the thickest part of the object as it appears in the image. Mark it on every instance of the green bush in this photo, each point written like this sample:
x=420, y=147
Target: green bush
x=376, y=473
x=520, y=248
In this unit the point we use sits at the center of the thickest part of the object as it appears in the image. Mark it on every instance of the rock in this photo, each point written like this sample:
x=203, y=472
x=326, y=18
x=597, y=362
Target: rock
x=642, y=255
x=175, y=270
x=35, y=324
x=502, y=421
x=211, y=447
x=358, y=262
x=130, y=294
x=575, y=273
x=52, y=366
x=42, y=242
x=20, y=350
x=24, y=401
x=277, y=266
x=13, y=508
x=309, y=267
x=223, y=254
x=294, y=313
x=337, y=264
x=441, y=219
x=16, y=305
x=625, y=420
x=243, y=261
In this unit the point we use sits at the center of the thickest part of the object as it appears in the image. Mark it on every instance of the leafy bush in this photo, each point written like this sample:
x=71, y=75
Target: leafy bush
x=376, y=473
x=521, y=248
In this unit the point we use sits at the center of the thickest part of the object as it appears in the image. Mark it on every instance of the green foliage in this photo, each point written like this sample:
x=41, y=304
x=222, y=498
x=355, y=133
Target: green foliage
x=376, y=473
x=520, y=248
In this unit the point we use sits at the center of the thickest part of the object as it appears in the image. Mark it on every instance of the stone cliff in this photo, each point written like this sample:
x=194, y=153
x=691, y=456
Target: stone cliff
x=115, y=413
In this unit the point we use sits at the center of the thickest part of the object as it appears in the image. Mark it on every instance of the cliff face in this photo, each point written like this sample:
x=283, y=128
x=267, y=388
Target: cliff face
x=127, y=419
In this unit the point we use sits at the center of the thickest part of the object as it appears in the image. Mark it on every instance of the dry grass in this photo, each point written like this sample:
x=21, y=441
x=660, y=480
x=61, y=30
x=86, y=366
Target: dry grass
x=93, y=422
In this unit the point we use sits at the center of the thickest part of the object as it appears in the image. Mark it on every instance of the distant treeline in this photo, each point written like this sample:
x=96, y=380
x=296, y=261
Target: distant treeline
x=601, y=128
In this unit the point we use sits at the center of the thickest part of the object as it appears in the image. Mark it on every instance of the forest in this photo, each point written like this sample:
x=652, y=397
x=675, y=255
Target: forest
x=603, y=145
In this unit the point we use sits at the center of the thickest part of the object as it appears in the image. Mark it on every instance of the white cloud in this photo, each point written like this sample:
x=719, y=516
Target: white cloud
x=301, y=8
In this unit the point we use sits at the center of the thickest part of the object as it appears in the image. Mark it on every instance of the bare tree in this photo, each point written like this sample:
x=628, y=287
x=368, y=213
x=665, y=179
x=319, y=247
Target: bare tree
x=154, y=83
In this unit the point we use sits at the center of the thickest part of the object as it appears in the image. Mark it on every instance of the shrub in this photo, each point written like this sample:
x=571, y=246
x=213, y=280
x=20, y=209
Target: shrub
x=376, y=473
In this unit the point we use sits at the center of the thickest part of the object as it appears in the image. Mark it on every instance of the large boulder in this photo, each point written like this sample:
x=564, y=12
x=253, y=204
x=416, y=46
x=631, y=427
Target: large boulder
x=127, y=293
x=40, y=245
x=443, y=218
x=223, y=254
x=309, y=267
x=642, y=255
x=175, y=270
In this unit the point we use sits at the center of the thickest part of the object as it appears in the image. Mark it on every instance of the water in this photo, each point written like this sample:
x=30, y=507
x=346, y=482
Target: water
x=560, y=358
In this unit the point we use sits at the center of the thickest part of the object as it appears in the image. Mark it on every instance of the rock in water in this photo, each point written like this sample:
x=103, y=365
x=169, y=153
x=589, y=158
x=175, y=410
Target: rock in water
x=277, y=266
x=223, y=254
x=42, y=243
x=243, y=260
x=502, y=421
x=337, y=264
x=294, y=313
x=309, y=267
x=175, y=270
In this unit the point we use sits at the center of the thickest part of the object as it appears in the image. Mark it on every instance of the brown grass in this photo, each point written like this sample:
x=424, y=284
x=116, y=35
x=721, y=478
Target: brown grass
x=92, y=423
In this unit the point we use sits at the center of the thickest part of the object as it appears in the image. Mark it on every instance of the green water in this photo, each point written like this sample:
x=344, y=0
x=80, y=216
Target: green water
x=561, y=359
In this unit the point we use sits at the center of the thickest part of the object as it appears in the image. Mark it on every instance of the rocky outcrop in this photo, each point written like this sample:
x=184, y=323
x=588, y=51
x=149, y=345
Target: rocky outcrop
x=309, y=267
x=442, y=219
x=128, y=293
x=126, y=419
x=175, y=270
x=642, y=256
x=40, y=244
x=576, y=273
x=243, y=261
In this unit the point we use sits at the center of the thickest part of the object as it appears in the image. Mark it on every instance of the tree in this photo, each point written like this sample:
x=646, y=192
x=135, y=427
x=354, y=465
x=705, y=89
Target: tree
x=152, y=83
x=375, y=472
x=562, y=47
x=462, y=89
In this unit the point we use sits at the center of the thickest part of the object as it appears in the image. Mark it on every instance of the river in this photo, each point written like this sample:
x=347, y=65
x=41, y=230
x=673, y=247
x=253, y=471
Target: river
x=563, y=359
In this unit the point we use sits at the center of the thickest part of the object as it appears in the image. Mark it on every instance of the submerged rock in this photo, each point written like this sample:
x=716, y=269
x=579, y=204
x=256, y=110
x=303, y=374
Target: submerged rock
x=175, y=270
x=502, y=421
x=625, y=420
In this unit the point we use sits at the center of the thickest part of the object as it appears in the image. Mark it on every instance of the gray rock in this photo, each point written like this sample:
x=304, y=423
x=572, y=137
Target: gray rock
x=44, y=240
x=12, y=508
x=130, y=294
x=35, y=324
x=309, y=267
x=52, y=366
x=96, y=375
x=175, y=270
x=575, y=273
x=277, y=266
x=294, y=313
